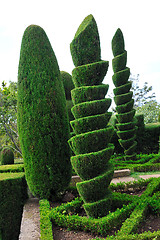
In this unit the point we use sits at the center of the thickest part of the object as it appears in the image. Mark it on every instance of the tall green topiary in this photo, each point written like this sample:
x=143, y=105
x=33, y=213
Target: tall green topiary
x=42, y=117
x=91, y=142
x=123, y=97
x=7, y=156
x=68, y=86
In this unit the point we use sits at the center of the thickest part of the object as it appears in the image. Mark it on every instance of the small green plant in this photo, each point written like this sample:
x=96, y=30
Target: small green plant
x=7, y=156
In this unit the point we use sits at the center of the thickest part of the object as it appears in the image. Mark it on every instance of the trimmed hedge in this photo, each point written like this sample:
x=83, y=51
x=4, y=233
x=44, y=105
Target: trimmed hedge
x=123, y=96
x=127, y=213
x=12, y=168
x=43, y=123
x=89, y=93
x=91, y=122
x=45, y=222
x=13, y=193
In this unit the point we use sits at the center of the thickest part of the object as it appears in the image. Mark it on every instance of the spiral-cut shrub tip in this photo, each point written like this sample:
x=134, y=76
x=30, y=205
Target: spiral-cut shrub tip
x=91, y=143
x=123, y=97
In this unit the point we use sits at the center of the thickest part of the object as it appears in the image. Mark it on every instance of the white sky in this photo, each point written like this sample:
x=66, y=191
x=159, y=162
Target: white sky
x=139, y=21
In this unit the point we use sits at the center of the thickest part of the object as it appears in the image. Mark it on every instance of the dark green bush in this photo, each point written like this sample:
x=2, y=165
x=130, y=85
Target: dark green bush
x=42, y=116
x=13, y=193
x=67, y=83
x=7, y=156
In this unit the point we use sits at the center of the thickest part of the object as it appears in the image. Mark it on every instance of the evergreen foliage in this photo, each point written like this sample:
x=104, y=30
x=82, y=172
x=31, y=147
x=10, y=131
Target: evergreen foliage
x=13, y=194
x=91, y=142
x=42, y=117
x=7, y=156
x=85, y=47
x=67, y=83
x=123, y=97
x=68, y=86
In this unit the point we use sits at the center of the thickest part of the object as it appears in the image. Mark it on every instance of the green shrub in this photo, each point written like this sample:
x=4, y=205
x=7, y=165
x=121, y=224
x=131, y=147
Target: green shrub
x=42, y=116
x=12, y=168
x=13, y=193
x=68, y=84
x=91, y=142
x=45, y=222
x=7, y=156
x=129, y=211
x=123, y=96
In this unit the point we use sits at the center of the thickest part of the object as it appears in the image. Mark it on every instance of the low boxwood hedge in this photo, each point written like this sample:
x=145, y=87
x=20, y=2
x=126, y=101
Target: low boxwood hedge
x=126, y=215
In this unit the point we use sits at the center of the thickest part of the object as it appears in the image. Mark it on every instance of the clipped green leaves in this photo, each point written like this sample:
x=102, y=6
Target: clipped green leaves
x=118, y=46
x=42, y=117
x=85, y=47
x=91, y=143
x=123, y=97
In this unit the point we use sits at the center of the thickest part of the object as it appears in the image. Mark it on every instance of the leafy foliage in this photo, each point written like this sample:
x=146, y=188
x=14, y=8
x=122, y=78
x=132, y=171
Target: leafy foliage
x=8, y=112
x=150, y=110
x=42, y=116
x=141, y=95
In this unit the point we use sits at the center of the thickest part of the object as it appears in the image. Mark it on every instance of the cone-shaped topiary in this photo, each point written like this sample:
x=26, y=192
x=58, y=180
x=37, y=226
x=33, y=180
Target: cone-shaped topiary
x=123, y=97
x=68, y=86
x=7, y=156
x=43, y=123
x=91, y=142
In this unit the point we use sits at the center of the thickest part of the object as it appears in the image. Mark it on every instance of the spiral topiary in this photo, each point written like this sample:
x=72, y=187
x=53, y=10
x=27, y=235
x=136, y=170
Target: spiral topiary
x=7, y=156
x=91, y=142
x=123, y=97
x=43, y=123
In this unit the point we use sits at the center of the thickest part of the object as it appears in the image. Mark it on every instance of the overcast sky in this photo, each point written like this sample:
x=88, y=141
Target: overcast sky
x=139, y=21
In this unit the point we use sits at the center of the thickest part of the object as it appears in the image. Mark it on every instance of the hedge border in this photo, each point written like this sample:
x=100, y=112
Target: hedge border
x=137, y=208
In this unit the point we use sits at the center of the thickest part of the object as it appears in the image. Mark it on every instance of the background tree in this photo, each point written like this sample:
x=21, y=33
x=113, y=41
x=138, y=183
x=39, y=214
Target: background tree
x=8, y=112
x=123, y=97
x=141, y=95
x=150, y=110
